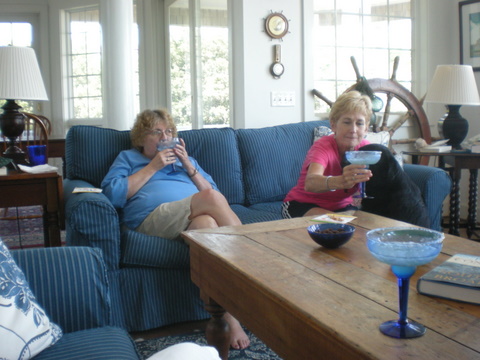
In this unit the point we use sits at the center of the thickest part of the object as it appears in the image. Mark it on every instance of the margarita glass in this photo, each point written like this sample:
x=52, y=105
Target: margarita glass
x=363, y=158
x=169, y=144
x=404, y=248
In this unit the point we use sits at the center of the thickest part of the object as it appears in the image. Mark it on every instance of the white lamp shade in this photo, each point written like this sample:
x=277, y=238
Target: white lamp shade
x=453, y=85
x=20, y=76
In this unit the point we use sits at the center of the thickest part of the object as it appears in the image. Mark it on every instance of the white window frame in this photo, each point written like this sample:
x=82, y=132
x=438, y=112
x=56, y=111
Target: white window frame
x=409, y=83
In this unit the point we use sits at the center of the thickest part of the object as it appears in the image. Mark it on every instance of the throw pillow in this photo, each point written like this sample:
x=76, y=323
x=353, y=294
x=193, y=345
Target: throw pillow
x=25, y=329
x=321, y=131
x=186, y=350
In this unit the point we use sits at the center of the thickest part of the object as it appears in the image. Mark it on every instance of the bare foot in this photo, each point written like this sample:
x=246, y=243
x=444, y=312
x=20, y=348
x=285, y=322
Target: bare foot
x=239, y=340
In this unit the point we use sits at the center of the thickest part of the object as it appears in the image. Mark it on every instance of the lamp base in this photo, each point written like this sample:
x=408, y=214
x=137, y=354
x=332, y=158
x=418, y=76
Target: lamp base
x=455, y=127
x=18, y=158
x=12, y=125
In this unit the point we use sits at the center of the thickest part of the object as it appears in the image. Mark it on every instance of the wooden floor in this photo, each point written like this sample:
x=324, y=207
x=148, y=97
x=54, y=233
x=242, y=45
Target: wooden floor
x=184, y=328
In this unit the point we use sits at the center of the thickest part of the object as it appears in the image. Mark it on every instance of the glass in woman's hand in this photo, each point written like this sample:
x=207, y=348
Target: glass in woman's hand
x=169, y=144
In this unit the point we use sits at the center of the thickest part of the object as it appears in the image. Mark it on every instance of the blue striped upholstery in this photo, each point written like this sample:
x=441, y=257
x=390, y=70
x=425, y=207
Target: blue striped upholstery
x=144, y=250
x=84, y=141
x=70, y=283
x=250, y=215
x=272, y=158
x=435, y=186
x=106, y=343
x=153, y=296
x=91, y=220
x=217, y=153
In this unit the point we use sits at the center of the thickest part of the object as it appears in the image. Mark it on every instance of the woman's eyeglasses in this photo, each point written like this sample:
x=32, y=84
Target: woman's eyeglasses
x=159, y=133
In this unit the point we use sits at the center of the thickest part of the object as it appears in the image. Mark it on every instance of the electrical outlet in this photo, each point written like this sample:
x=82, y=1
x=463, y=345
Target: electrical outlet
x=282, y=98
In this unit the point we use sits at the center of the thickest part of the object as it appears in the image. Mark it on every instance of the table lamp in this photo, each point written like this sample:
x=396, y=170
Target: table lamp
x=20, y=79
x=454, y=86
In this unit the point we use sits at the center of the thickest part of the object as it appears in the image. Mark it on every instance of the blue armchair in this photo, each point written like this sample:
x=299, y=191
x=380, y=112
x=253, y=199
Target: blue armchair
x=72, y=287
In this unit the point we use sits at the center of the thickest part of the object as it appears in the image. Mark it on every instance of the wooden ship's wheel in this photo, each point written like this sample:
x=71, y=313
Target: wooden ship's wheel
x=391, y=89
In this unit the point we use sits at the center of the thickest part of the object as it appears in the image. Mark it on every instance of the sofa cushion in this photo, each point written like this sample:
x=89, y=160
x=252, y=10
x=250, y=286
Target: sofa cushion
x=217, y=153
x=90, y=151
x=105, y=343
x=248, y=215
x=272, y=158
x=25, y=328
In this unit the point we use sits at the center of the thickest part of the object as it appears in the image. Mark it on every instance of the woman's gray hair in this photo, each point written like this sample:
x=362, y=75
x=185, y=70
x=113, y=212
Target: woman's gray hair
x=146, y=122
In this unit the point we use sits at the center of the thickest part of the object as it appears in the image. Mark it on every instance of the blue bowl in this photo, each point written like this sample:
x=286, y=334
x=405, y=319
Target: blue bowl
x=331, y=236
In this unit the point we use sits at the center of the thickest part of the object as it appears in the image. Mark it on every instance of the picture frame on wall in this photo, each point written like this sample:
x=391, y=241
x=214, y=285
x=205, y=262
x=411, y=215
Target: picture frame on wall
x=469, y=21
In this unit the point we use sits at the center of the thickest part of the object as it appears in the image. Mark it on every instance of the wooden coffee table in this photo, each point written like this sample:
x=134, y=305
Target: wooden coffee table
x=308, y=302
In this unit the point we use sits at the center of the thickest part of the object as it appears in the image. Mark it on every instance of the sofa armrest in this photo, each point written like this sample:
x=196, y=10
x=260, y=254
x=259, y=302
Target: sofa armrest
x=70, y=283
x=91, y=220
x=435, y=184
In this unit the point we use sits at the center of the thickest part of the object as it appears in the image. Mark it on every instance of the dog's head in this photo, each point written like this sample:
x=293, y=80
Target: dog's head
x=385, y=171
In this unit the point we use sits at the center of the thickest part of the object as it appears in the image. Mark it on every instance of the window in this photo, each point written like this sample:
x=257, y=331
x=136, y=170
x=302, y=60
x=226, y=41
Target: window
x=84, y=63
x=374, y=32
x=199, y=63
x=17, y=34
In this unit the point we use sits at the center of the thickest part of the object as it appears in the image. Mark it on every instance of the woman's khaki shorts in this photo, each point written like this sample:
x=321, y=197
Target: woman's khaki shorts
x=168, y=220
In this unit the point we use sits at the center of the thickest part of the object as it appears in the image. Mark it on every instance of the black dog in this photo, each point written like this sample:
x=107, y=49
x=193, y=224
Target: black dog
x=394, y=194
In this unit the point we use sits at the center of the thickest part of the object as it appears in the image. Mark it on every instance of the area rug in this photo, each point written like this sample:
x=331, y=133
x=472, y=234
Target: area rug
x=256, y=351
x=27, y=231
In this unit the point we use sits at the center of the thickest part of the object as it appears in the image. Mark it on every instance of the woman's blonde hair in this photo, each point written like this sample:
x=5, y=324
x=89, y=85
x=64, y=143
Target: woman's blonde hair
x=146, y=122
x=351, y=101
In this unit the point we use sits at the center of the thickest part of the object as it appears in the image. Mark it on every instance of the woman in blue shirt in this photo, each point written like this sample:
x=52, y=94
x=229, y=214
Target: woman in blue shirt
x=156, y=202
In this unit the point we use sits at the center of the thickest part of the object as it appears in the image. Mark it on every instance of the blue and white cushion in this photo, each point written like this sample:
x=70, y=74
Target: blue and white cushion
x=25, y=329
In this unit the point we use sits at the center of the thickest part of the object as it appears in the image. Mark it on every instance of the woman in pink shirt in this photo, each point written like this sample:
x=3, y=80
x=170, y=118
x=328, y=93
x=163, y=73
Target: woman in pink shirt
x=324, y=183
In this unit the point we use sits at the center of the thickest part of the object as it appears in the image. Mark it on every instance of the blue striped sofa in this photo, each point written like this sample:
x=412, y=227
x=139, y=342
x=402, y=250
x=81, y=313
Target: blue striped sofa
x=253, y=168
x=71, y=285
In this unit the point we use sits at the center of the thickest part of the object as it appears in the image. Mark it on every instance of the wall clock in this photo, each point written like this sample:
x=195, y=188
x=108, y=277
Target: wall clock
x=276, y=25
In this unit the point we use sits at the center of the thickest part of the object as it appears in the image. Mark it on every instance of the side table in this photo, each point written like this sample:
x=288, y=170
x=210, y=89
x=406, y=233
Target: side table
x=23, y=189
x=458, y=161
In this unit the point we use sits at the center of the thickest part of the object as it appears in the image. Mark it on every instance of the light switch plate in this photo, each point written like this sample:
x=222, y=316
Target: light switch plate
x=282, y=98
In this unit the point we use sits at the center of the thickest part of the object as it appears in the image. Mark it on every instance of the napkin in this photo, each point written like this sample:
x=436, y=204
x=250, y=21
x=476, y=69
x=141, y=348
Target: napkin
x=334, y=218
x=37, y=169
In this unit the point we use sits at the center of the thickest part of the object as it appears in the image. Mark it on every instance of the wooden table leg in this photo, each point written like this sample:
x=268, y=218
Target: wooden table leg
x=455, y=203
x=51, y=219
x=472, y=203
x=218, y=330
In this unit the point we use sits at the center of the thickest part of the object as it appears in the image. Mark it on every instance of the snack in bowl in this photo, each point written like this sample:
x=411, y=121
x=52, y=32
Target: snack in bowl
x=331, y=236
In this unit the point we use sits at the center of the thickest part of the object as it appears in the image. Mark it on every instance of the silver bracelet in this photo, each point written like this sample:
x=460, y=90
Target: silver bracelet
x=326, y=183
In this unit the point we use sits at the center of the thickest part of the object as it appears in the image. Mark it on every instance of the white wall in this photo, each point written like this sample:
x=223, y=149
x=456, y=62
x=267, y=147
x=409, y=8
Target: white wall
x=255, y=63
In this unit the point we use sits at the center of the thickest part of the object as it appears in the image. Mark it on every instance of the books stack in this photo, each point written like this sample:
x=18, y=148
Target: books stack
x=458, y=278
x=437, y=147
